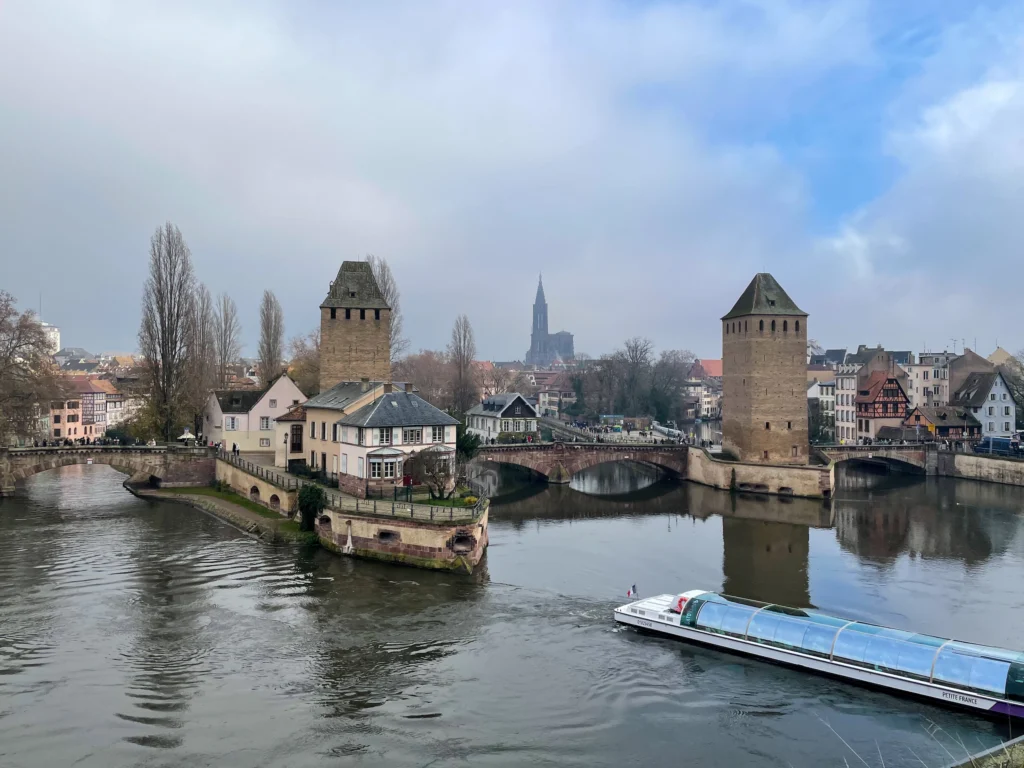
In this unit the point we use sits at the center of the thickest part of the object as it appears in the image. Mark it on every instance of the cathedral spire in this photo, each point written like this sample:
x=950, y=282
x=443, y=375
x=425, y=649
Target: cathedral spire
x=540, y=291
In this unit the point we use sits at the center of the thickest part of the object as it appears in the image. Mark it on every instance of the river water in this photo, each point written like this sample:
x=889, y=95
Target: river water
x=135, y=633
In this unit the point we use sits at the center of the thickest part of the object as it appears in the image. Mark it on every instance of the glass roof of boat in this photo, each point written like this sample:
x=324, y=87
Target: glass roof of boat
x=764, y=620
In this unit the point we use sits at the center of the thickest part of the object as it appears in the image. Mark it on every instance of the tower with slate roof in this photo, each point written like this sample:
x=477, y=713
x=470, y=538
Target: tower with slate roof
x=355, y=329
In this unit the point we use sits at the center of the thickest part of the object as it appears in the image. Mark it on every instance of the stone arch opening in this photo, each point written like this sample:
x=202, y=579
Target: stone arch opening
x=463, y=543
x=324, y=523
x=275, y=502
x=254, y=494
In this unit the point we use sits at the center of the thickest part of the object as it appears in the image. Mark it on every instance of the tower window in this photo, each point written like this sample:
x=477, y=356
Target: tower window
x=767, y=425
x=334, y=313
x=789, y=425
x=797, y=322
x=351, y=294
x=762, y=327
x=348, y=314
x=362, y=314
x=773, y=326
x=785, y=326
x=744, y=326
x=376, y=314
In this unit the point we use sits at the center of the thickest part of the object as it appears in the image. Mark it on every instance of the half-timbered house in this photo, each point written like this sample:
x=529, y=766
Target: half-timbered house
x=881, y=402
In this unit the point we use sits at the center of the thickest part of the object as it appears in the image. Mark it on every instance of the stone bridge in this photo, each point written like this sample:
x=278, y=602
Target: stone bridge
x=558, y=462
x=896, y=456
x=169, y=465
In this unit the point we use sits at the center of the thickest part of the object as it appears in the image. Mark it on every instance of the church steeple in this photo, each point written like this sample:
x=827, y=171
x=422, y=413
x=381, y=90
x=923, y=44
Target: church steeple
x=540, y=316
x=540, y=291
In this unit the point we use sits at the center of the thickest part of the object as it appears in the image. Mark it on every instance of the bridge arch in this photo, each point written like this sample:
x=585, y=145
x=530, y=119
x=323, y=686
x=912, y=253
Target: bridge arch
x=558, y=462
x=905, y=458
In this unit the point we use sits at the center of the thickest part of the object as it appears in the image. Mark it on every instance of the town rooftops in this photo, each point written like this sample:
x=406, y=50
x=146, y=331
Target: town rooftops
x=295, y=413
x=712, y=368
x=84, y=386
x=344, y=393
x=75, y=352
x=955, y=415
x=835, y=356
x=764, y=296
x=974, y=391
x=238, y=400
x=398, y=409
x=355, y=287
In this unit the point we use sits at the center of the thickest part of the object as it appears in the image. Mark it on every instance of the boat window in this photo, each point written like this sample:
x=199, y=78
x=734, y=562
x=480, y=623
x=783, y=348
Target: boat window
x=989, y=675
x=952, y=668
x=763, y=626
x=1015, y=682
x=790, y=633
x=883, y=653
x=916, y=659
x=689, y=617
x=850, y=646
x=736, y=620
x=711, y=615
x=818, y=639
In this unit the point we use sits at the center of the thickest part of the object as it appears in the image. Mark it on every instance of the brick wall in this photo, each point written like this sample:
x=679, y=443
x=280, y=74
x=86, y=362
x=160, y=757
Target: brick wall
x=354, y=349
x=764, y=389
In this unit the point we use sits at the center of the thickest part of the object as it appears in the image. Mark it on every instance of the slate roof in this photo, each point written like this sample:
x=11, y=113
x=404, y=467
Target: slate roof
x=343, y=394
x=975, y=389
x=84, y=366
x=903, y=357
x=764, y=296
x=238, y=400
x=939, y=415
x=835, y=356
x=76, y=352
x=398, y=409
x=355, y=287
x=493, y=405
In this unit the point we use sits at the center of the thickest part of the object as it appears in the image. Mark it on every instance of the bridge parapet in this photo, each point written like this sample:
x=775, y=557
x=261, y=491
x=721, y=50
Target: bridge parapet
x=558, y=462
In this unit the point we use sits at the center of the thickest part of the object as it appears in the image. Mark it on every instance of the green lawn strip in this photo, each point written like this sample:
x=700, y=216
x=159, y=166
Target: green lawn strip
x=444, y=503
x=232, y=498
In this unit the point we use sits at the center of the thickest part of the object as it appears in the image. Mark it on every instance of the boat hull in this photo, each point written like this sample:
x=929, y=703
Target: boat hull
x=936, y=693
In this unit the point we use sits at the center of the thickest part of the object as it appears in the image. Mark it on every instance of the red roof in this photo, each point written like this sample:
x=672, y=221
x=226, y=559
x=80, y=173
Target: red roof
x=873, y=387
x=712, y=368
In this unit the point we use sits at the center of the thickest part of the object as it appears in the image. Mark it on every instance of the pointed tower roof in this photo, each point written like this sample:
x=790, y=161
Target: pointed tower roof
x=540, y=291
x=764, y=296
x=355, y=287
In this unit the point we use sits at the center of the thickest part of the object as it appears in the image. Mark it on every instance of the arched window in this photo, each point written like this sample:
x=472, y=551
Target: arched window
x=785, y=326
x=744, y=326
x=762, y=327
x=773, y=326
x=797, y=326
x=726, y=329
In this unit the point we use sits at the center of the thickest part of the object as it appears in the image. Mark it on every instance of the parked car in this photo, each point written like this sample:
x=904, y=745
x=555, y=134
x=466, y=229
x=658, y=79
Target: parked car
x=997, y=446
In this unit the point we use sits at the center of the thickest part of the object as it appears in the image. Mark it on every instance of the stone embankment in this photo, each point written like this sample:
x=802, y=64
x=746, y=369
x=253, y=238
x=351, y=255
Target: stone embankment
x=281, y=530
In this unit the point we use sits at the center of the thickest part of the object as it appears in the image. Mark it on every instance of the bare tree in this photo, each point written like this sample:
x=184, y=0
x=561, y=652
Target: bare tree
x=430, y=373
x=305, y=363
x=636, y=358
x=392, y=296
x=202, y=354
x=271, y=337
x=461, y=353
x=167, y=309
x=434, y=469
x=229, y=332
x=29, y=379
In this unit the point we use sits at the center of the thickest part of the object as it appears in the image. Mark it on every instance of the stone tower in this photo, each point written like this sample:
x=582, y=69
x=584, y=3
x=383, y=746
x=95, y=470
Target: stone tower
x=764, y=376
x=355, y=329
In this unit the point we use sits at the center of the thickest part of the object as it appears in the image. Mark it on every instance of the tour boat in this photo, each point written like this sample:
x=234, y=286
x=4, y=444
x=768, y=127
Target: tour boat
x=977, y=677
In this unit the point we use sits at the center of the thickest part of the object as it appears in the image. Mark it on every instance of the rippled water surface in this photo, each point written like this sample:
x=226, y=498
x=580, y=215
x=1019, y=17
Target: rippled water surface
x=142, y=634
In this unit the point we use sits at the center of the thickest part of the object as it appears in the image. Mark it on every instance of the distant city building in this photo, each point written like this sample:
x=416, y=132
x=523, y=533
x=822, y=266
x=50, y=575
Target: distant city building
x=702, y=370
x=764, y=376
x=881, y=402
x=245, y=417
x=72, y=353
x=943, y=422
x=52, y=336
x=821, y=403
x=852, y=375
x=547, y=349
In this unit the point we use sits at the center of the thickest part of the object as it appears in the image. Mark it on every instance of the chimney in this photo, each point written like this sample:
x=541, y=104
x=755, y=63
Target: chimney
x=365, y=381
x=387, y=388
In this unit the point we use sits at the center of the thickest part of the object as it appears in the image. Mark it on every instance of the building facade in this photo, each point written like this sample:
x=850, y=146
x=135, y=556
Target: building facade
x=547, y=349
x=506, y=414
x=990, y=401
x=821, y=407
x=355, y=329
x=881, y=402
x=245, y=417
x=764, y=377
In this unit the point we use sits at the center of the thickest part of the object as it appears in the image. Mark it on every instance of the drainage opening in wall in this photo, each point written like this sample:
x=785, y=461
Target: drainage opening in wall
x=785, y=490
x=462, y=543
x=325, y=524
x=388, y=537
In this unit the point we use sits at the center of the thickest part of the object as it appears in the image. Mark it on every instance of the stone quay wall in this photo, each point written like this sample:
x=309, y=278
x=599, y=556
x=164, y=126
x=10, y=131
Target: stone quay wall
x=241, y=482
x=785, y=480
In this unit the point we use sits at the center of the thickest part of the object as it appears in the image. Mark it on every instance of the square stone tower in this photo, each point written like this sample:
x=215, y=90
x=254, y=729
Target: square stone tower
x=355, y=329
x=764, y=376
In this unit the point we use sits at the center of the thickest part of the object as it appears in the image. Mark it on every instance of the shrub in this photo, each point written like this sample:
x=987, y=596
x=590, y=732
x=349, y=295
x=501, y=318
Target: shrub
x=470, y=501
x=312, y=500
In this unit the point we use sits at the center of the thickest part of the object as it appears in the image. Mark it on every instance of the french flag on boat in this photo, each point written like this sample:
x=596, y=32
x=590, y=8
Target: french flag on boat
x=631, y=592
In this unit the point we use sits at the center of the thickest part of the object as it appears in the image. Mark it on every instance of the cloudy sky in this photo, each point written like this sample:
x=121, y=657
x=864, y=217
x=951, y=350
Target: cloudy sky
x=647, y=157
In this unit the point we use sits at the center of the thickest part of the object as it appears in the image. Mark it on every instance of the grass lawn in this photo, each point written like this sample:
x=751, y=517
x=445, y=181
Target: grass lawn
x=228, y=496
x=453, y=502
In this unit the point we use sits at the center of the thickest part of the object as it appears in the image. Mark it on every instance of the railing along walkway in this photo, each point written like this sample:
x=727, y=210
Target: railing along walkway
x=341, y=502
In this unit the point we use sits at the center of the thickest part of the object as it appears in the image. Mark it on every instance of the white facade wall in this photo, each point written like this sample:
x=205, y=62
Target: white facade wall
x=998, y=416
x=845, y=405
x=253, y=431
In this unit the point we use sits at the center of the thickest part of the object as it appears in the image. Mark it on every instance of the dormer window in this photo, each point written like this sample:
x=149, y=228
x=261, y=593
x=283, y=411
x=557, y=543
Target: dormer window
x=351, y=294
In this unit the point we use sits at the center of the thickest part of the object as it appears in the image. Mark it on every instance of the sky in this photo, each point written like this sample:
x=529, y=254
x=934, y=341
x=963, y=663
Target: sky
x=647, y=157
